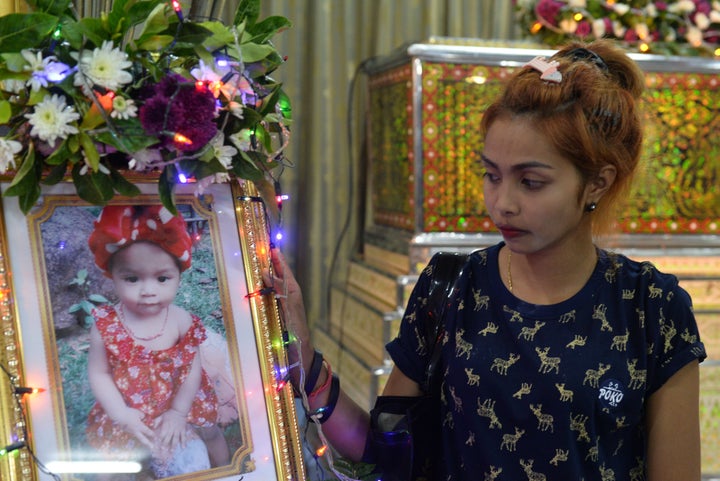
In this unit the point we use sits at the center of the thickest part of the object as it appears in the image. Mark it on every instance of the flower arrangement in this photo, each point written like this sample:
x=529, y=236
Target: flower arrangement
x=141, y=89
x=681, y=27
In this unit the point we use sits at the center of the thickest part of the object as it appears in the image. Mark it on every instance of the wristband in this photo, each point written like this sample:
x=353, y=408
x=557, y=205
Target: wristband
x=323, y=414
x=314, y=373
x=324, y=385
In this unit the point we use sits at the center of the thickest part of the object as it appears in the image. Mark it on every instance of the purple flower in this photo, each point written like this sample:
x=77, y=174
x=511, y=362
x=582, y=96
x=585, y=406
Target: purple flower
x=181, y=113
x=548, y=10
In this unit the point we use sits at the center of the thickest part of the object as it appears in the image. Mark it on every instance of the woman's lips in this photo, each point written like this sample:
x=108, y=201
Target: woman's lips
x=510, y=232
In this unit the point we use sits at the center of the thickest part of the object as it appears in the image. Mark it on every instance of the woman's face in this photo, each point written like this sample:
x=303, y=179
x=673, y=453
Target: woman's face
x=146, y=279
x=534, y=195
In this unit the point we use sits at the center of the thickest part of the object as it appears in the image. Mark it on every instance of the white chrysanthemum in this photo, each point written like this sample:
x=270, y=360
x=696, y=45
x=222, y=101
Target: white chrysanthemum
x=241, y=140
x=618, y=29
x=224, y=153
x=651, y=10
x=577, y=3
x=51, y=119
x=123, y=108
x=599, y=28
x=715, y=15
x=237, y=109
x=8, y=149
x=144, y=159
x=642, y=31
x=103, y=67
x=694, y=36
x=702, y=21
x=36, y=66
x=621, y=8
x=13, y=86
x=683, y=6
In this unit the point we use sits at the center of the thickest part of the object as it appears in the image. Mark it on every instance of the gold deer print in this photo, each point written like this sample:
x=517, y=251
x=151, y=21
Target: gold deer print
x=567, y=317
x=411, y=317
x=638, y=472
x=577, y=423
x=493, y=474
x=473, y=379
x=599, y=314
x=481, y=302
x=594, y=451
x=461, y=305
x=545, y=421
x=502, y=365
x=509, y=441
x=560, y=455
x=628, y=294
x=592, y=376
x=687, y=337
x=647, y=268
x=532, y=475
x=421, y=348
x=547, y=363
x=669, y=296
x=456, y=400
x=606, y=474
x=483, y=257
x=566, y=395
x=641, y=316
x=577, y=342
x=620, y=342
x=515, y=316
x=655, y=292
x=637, y=376
x=462, y=347
x=528, y=333
x=618, y=447
x=448, y=421
x=470, y=441
x=491, y=328
x=667, y=330
x=525, y=388
x=487, y=410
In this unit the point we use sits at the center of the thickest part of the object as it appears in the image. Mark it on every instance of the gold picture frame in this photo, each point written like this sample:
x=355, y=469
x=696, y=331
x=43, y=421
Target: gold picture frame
x=43, y=346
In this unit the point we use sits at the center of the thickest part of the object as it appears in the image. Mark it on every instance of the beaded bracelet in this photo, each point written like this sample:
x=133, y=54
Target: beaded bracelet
x=314, y=373
x=323, y=414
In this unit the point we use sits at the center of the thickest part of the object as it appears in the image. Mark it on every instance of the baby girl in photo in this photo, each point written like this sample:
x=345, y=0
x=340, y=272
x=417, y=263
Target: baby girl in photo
x=153, y=394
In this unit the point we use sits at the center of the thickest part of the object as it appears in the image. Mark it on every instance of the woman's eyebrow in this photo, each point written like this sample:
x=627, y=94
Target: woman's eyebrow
x=516, y=167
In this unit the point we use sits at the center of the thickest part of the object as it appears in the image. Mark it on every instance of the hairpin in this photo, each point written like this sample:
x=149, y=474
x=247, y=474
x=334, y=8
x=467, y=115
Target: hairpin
x=548, y=70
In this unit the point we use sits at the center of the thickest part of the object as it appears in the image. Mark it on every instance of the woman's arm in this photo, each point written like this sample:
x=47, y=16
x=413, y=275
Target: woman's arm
x=673, y=428
x=107, y=394
x=347, y=428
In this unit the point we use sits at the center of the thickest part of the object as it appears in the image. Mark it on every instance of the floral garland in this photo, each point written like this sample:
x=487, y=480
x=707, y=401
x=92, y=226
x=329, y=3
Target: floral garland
x=139, y=90
x=681, y=27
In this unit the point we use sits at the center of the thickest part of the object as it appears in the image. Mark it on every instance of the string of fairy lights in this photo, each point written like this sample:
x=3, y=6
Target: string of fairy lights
x=20, y=437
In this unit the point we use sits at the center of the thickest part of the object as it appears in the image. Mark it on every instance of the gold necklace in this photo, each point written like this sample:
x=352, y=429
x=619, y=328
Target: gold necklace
x=121, y=314
x=509, y=273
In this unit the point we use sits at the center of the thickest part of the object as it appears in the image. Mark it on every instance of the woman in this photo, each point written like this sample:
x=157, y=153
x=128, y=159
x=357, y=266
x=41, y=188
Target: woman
x=561, y=360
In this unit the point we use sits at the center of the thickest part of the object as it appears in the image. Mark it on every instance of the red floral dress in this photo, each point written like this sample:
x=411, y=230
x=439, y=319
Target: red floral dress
x=148, y=381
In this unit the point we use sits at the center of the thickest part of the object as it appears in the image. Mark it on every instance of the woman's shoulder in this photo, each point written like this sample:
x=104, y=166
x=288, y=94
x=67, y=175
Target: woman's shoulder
x=634, y=270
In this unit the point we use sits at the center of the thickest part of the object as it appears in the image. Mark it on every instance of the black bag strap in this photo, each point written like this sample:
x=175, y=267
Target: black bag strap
x=446, y=271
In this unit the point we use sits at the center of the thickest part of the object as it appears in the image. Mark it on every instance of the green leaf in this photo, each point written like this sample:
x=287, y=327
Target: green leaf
x=98, y=298
x=93, y=187
x=94, y=29
x=29, y=198
x=253, y=52
x=87, y=306
x=247, y=11
x=92, y=156
x=27, y=176
x=265, y=30
x=25, y=30
x=130, y=136
x=166, y=183
x=122, y=186
x=221, y=36
x=56, y=174
x=74, y=308
x=60, y=155
x=156, y=22
x=55, y=7
x=5, y=111
x=155, y=42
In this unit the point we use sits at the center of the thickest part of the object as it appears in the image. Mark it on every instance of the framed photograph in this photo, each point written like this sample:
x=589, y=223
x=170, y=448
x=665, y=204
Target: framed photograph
x=67, y=325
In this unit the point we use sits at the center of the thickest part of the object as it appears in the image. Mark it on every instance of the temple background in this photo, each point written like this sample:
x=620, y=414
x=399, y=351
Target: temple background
x=343, y=264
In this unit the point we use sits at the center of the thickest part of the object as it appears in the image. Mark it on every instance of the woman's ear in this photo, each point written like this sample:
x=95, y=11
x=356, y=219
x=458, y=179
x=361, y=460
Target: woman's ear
x=597, y=186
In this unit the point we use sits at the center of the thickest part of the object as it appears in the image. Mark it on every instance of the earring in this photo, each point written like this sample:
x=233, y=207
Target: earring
x=591, y=207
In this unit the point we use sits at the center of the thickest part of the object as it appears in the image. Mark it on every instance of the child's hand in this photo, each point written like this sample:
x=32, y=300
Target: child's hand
x=132, y=422
x=171, y=428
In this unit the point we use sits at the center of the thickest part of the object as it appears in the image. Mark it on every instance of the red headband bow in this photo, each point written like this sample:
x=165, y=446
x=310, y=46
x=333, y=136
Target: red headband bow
x=121, y=225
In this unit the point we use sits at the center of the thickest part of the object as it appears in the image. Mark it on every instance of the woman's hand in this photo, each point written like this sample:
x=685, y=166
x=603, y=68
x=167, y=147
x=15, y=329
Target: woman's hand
x=289, y=294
